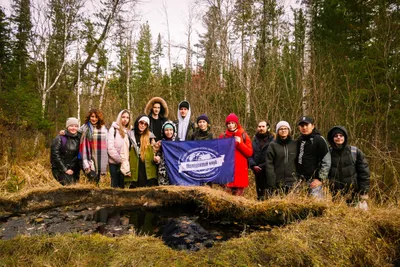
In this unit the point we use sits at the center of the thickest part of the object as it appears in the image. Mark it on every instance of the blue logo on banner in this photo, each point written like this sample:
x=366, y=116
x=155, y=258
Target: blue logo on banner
x=198, y=162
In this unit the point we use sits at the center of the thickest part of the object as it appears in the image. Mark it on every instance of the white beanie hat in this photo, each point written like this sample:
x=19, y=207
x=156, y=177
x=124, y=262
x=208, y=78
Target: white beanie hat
x=145, y=119
x=71, y=121
x=283, y=123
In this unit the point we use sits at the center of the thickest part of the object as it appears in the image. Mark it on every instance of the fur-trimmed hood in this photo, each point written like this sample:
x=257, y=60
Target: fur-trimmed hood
x=164, y=107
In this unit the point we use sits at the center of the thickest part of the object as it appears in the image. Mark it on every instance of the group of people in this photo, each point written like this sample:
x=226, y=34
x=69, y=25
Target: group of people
x=279, y=162
x=134, y=154
x=133, y=151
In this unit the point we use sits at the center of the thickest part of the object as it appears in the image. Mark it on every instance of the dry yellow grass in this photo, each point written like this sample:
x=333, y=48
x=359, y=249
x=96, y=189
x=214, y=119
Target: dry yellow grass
x=310, y=233
x=328, y=234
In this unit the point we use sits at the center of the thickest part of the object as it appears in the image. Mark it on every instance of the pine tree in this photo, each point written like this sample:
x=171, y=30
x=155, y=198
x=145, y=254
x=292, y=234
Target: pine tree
x=21, y=18
x=5, y=48
x=143, y=61
x=157, y=55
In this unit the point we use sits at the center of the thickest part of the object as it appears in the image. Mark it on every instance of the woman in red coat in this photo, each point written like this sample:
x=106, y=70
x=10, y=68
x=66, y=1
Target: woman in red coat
x=243, y=150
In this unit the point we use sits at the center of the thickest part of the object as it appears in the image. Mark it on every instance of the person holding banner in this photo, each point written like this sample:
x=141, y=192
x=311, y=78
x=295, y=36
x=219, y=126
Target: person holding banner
x=202, y=132
x=138, y=160
x=243, y=150
x=168, y=133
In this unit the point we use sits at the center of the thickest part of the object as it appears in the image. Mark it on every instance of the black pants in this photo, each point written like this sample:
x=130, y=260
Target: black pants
x=117, y=178
x=64, y=178
x=261, y=184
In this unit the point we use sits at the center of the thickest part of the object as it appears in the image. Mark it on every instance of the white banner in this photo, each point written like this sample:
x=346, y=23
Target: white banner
x=201, y=164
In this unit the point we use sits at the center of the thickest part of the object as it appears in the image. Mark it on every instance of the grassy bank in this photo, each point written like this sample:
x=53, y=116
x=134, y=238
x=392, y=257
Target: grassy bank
x=309, y=233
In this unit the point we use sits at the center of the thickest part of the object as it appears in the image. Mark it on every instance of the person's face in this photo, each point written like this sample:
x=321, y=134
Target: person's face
x=283, y=132
x=168, y=133
x=142, y=126
x=73, y=129
x=183, y=111
x=156, y=108
x=232, y=126
x=306, y=128
x=202, y=125
x=93, y=119
x=125, y=119
x=262, y=127
x=338, y=139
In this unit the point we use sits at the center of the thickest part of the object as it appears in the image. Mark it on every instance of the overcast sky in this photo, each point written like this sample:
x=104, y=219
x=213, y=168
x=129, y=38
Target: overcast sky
x=178, y=11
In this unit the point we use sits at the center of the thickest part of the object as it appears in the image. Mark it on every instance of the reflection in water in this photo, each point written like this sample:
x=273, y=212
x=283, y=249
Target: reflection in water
x=177, y=228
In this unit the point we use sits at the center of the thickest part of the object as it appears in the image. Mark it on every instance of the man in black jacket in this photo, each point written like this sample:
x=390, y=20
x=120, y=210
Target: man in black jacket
x=313, y=156
x=257, y=162
x=349, y=174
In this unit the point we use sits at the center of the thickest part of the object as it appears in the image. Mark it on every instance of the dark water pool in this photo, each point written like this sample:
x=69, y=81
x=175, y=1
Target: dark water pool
x=179, y=226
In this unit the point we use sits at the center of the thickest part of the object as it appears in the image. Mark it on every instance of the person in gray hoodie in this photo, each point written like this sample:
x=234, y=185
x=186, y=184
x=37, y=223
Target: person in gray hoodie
x=281, y=160
x=116, y=138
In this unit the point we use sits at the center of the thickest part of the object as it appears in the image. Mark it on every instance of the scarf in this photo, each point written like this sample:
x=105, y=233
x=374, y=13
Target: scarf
x=93, y=148
x=183, y=124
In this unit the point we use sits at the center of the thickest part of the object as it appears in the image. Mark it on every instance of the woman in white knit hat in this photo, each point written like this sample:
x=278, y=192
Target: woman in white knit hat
x=64, y=154
x=281, y=156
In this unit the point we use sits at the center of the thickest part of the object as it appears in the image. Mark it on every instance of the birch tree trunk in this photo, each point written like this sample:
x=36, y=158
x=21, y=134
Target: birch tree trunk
x=165, y=8
x=128, y=72
x=103, y=87
x=78, y=86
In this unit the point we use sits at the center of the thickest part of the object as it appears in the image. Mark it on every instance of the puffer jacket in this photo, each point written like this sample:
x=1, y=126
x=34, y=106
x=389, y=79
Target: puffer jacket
x=63, y=159
x=115, y=141
x=281, y=162
x=346, y=172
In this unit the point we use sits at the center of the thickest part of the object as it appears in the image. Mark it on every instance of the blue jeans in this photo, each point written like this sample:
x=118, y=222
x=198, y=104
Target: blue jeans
x=117, y=178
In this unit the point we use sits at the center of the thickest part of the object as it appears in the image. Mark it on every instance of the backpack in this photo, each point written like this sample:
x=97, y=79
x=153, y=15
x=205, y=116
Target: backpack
x=353, y=154
x=63, y=147
x=353, y=150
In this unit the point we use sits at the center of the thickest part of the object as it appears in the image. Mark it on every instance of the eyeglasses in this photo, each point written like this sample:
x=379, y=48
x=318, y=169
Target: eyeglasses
x=142, y=123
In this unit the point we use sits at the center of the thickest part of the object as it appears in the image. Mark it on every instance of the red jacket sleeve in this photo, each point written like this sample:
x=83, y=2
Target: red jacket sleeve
x=245, y=147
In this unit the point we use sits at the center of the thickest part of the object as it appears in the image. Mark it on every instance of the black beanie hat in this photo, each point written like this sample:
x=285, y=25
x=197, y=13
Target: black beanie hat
x=184, y=104
x=203, y=117
x=338, y=131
